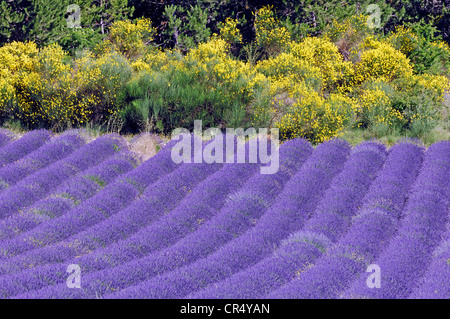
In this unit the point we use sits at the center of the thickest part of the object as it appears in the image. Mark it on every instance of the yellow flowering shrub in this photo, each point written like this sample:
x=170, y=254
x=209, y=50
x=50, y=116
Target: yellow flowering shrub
x=269, y=34
x=286, y=65
x=214, y=66
x=128, y=38
x=379, y=59
x=209, y=52
x=47, y=87
x=17, y=60
x=376, y=108
x=403, y=39
x=229, y=31
x=351, y=30
x=52, y=95
x=157, y=60
x=324, y=55
x=18, y=56
x=114, y=72
x=316, y=118
x=6, y=89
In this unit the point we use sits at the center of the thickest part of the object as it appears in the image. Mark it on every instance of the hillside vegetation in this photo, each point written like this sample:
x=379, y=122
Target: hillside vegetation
x=342, y=76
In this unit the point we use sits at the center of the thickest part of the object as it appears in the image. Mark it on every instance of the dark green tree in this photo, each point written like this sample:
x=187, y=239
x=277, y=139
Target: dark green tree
x=14, y=20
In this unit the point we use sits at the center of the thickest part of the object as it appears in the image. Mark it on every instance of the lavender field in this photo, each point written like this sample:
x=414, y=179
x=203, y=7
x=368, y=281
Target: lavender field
x=157, y=229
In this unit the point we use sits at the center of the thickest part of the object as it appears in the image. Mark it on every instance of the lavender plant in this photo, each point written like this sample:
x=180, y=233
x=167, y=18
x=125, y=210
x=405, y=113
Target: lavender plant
x=375, y=223
x=51, y=152
x=5, y=137
x=42, y=182
x=198, y=243
x=408, y=255
x=292, y=207
x=69, y=194
x=329, y=221
x=21, y=147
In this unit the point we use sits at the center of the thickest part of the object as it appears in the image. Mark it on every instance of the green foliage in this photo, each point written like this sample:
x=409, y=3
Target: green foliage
x=128, y=38
x=271, y=36
x=311, y=68
x=430, y=55
x=13, y=24
x=166, y=100
x=100, y=182
x=186, y=27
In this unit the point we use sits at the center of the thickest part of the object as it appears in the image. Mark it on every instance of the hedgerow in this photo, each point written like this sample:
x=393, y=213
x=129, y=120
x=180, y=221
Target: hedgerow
x=315, y=87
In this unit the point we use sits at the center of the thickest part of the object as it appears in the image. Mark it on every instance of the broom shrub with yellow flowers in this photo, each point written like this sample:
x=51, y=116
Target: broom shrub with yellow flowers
x=317, y=87
x=130, y=39
x=427, y=52
x=271, y=36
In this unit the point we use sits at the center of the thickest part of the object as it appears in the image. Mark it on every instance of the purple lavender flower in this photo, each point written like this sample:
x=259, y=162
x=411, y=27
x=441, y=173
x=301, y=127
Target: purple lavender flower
x=266, y=186
x=329, y=221
x=49, y=153
x=295, y=204
x=372, y=227
x=435, y=284
x=408, y=255
x=6, y=137
x=42, y=182
x=21, y=147
x=69, y=194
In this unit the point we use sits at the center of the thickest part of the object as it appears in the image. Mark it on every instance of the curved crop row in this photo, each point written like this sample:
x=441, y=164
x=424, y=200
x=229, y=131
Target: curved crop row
x=175, y=184
x=5, y=137
x=172, y=187
x=164, y=229
x=41, y=183
x=435, y=284
x=330, y=220
x=292, y=207
x=406, y=258
x=371, y=228
x=17, y=149
x=66, y=196
x=51, y=152
x=107, y=202
x=239, y=211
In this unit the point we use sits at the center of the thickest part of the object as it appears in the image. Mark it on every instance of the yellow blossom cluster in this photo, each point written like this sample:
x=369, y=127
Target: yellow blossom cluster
x=129, y=38
x=269, y=34
x=378, y=58
x=229, y=31
x=314, y=117
x=403, y=39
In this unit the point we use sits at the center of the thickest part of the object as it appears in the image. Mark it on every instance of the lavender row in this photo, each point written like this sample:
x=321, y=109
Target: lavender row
x=371, y=229
x=407, y=257
x=51, y=152
x=158, y=199
x=204, y=200
x=330, y=220
x=6, y=137
x=111, y=199
x=29, y=142
x=42, y=182
x=165, y=191
x=435, y=284
x=235, y=215
x=294, y=205
x=180, y=181
x=66, y=196
x=202, y=203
